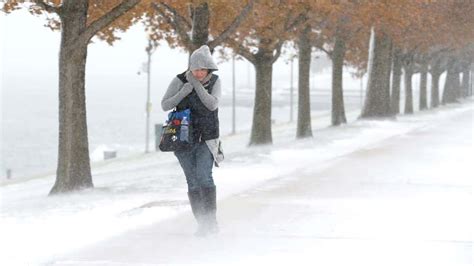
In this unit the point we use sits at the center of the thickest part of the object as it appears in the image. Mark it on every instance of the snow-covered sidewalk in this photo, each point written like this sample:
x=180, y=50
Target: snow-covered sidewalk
x=132, y=193
x=405, y=198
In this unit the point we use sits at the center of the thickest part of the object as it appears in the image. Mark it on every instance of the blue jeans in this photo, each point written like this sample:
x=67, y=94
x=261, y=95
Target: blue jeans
x=197, y=166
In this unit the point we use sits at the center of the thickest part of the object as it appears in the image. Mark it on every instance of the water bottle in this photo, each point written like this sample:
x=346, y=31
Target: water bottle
x=184, y=134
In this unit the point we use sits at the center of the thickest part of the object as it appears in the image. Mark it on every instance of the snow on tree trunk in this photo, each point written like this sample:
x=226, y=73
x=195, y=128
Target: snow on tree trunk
x=377, y=100
x=261, y=125
x=303, y=125
x=396, y=81
x=73, y=169
x=338, y=115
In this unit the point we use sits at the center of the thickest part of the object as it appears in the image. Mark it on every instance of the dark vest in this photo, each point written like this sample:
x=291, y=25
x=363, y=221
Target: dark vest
x=205, y=123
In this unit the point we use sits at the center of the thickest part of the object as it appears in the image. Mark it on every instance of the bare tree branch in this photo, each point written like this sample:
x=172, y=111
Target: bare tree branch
x=246, y=54
x=357, y=31
x=320, y=47
x=49, y=8
x=300, y=19
x=233, y=26
x=106, y=19
x=180, y=18
x=287, y=20
x=177, y=23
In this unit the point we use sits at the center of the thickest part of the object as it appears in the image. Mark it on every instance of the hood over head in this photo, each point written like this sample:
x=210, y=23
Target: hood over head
x=202, y=59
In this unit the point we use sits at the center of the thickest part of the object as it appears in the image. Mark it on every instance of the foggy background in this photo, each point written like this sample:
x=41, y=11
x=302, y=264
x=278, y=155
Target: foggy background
x=116, y=94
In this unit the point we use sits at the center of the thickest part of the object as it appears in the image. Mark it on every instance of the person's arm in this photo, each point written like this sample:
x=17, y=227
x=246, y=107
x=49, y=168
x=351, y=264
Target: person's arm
x=175, y=93
x=211, y=101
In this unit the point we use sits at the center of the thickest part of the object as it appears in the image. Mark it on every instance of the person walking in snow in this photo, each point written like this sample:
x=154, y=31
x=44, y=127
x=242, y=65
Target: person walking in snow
x=199, y=89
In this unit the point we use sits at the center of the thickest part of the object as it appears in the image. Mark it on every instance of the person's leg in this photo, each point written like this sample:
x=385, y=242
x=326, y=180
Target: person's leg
x=187, y=160
x=204, y=164
x=210, y=209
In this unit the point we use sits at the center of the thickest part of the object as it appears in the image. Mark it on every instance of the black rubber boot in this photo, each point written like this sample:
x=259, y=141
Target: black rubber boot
x=210, y=209
x=197, y=206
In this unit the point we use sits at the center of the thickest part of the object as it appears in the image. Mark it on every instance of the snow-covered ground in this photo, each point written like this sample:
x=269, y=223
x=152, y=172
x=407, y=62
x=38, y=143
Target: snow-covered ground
x=367, y=193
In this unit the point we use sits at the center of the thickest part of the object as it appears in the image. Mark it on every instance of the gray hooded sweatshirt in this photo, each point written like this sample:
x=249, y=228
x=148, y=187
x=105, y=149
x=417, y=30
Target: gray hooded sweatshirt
x=177, y=91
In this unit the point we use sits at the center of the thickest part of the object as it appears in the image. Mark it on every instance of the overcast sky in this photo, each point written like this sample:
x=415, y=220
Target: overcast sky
x=31, y=52
x=32, y=48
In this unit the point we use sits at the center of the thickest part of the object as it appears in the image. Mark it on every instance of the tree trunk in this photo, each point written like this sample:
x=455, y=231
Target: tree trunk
x=449, y=92
x=200, y=31
x=408, y=88
x=396, y=80
x=388, y=73
x=338, y=115
x=303, y=125
x=262, y=111
x=435, y=89
x=457, y=85
x=423, y=86
x=436, y=70
x=73, y=170
x=465, y=80
x=471, y=78
x=377, y=100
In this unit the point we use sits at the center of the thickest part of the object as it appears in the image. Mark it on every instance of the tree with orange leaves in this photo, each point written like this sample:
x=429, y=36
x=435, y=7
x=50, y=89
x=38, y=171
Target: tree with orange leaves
x=192, y=24
x=433, y=38
x=395, y=45
x=338, y=29
x=458, y=39
x=79, y=21
x=414, y=44
x=260, y=40
x=387, y=19
x=313, y=13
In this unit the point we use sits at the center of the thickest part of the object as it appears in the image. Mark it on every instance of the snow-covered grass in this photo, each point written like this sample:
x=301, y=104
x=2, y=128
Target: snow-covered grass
x=137, y=191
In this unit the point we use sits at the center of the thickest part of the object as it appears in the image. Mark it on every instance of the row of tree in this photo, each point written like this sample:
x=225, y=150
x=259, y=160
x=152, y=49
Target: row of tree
x=414, y=35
